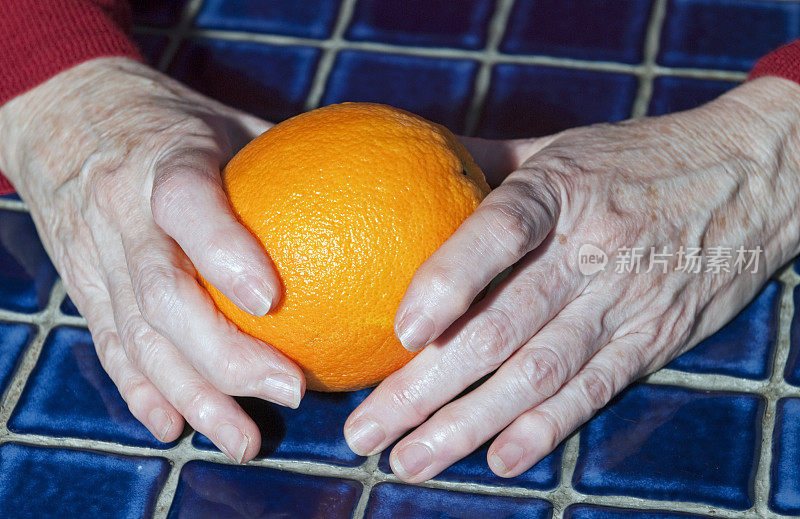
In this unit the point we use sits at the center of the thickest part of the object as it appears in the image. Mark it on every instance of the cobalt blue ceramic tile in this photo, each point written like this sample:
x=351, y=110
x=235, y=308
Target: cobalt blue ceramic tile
x=14, y=339
x=308, y=19
x=311, y=432
x=69, y=394
x=229, y=491
x=474, y=469
x=69, y=308
x=743, y=347
x=792, y=372
x=10, y=196
x=438, y=89
x=269, y=81
x=26, y=274
x=673, y=94
x=670, y=443
x=607, y=30
x=393, y=501
x=528, y=101
x=432, y=23
x=151, y=46
x=604, y=512
x=43, y=483
x=157, y=12
x=725, y=34
x=784, y=495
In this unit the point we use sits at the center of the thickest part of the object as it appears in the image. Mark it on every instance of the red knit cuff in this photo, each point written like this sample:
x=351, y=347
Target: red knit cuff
x=784, y=62
x=41, y=38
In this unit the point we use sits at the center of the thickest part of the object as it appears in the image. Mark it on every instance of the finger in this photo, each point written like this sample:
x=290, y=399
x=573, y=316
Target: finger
x=190, y=205
x=533, y=374
x=499, y=158
x=169, y=298
x=476, y=345
x=209, y=411
x=513, y=220
x=536, y=432
x=144, y=400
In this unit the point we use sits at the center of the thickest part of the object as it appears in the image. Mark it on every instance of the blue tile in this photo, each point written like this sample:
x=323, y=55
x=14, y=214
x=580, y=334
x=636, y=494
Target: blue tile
x=211, y=490
x=438, y=89
x=269, y=81
x=435, y=23
x=42, y=483
x=784, y=495
x=311, y=432
x=661, y=442
x=527, y=101
x=151, y=46
x=14, y=338
x=743, y=347
x=393, y=501
x=308, y=19
x=10, y=196
x=474, y=469
x=160, y=13
x=69, y=394
x=607, y=30
x=726, y=34
x=26, y=274
x=604, y=512
x=673, y=94
x=69, y=308
x=792, y=372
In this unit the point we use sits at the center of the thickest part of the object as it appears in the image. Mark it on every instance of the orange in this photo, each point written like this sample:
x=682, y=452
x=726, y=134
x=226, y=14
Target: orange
x=348, y=201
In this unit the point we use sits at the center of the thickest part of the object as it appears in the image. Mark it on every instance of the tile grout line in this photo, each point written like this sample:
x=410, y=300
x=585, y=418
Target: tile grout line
x=13, y=205
x=454, y=53
x=370, y=467
x=177, y=461
x=652, y=41
x=564, y=494
x=497, y=28
x=331, y=50
x=179, y=33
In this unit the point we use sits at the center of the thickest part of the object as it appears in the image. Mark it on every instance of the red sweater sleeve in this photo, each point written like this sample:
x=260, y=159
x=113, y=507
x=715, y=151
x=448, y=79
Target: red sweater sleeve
x=784, y=62
x=40, y=38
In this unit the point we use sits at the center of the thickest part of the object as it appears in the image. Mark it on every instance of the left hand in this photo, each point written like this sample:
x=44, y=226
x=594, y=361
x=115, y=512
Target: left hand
x=561, y=344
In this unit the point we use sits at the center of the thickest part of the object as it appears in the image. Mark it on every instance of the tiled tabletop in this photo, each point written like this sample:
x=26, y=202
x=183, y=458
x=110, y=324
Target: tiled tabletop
x=715, y=434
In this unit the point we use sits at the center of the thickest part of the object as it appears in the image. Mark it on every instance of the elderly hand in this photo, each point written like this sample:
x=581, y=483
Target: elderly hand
x=119, y=166
x=561, y=343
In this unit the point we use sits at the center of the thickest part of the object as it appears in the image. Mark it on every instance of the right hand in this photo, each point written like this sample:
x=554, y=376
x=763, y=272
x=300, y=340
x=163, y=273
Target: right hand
x=119, y=166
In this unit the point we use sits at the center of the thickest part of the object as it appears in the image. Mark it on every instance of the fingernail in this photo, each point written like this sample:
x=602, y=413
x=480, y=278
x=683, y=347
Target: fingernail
x=253, y=295
x=415, y=331
x=160, y=421
x=506, y=458
x=413, y=459
x=284, y=390
x=364, y=436
x=233, y=442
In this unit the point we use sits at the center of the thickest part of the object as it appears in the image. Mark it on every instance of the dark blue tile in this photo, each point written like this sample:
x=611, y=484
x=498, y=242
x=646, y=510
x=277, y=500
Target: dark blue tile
x=607, y=30
x=438, y=89
x=269, y=81
x=527, y=101
x=726, y=34
x=474, y=469
x=69, y=308
x=69, y=394
x=792, y=372
x=160, y=13
x=784, y=495
x=743, y=347
x=14, y=338
x=10, y=196
x=393, y=501
x=434, y=23
x=151, y=46
x=211, y=490
x=662, y=442
x=42, y=483
x=673, y=94
x=311, y=432
x=308, y=19
x=604, y=512
x=26, y=274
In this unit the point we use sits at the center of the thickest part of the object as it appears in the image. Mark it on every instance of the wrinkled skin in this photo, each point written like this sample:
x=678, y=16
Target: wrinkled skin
x=116, y=187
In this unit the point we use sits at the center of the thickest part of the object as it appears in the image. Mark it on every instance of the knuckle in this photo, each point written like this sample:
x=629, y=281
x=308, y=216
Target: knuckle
x=141, y=347
x=489, y=344
x=195, y=403
x=169, y=193
x=406, y=398
x=135, y=392
x=157, y=289
x=546, y=427
x=541, y=372
x=596, y=386
x=459, y=424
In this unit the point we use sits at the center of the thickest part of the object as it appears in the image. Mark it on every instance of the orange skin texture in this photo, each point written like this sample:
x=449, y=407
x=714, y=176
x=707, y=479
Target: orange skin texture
x=348, y=200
